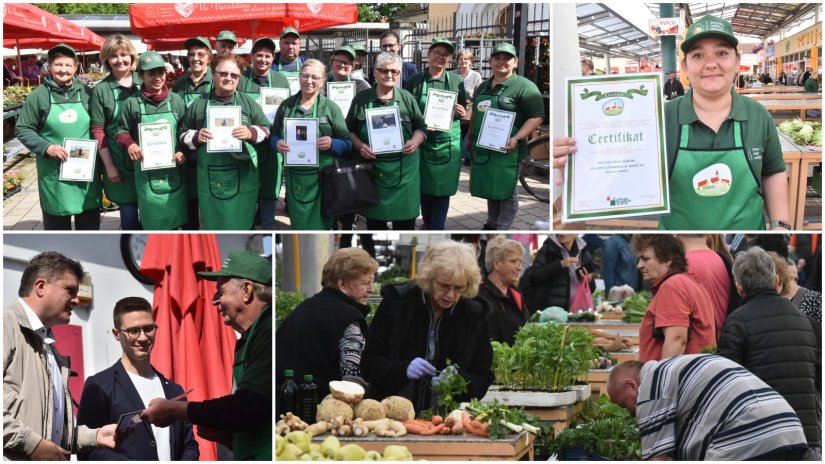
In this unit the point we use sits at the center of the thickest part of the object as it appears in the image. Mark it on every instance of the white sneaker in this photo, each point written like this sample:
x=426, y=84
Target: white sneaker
x=542, y=225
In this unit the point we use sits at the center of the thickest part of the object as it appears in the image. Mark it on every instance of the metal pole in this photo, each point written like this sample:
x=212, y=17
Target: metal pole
x=520, y=35
x=309, y=253
x=666, y=10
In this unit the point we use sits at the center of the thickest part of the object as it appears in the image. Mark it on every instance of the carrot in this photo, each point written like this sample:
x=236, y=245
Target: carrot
x=415, y=427
x=474, y=426
x=435, y=430
x=458, y=428
x=437, y=420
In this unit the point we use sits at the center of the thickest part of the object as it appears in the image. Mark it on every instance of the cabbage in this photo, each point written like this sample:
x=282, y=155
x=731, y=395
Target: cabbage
x=804, y=135
x=816, y=140
x=786, y=127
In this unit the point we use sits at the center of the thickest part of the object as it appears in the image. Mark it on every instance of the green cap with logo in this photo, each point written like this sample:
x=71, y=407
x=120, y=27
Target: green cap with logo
x=228, y=36
x=197, y=42
x=263, y=42
x=345, y=49
x=63, y=49
x=444, y=42
x=507, y=48
x=358, y=46
x=708, y=26
x=245, y=265
x=151, y=60
x=290, y=30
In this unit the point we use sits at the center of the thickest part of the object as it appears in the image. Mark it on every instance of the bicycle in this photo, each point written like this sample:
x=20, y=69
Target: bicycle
x=534, y=169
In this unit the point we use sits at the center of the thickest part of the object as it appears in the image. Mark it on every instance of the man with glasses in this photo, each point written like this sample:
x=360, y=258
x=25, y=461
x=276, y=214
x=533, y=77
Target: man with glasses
x=243, y=419
x=128, y=386
x=391, y=42
x=288, y=60
x=38, y=423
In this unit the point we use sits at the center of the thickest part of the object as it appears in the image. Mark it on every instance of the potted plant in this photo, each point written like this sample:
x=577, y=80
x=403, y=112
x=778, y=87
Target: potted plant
x=12, y=183
x=604, y=431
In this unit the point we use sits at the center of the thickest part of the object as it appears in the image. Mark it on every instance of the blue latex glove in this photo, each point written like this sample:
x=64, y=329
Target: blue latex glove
x=448, y=371
x=419, y=368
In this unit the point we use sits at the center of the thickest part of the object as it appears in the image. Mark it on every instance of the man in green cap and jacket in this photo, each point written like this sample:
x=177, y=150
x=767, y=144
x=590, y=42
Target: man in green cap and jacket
x=288, y=60
x=225, y=43
x=241, y=420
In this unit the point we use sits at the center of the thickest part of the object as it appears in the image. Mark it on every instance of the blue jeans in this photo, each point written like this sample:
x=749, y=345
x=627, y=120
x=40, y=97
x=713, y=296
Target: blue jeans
x=465, y=129
x=434, y=211
x=502, y=213
x=129, y=217
x=268, y=213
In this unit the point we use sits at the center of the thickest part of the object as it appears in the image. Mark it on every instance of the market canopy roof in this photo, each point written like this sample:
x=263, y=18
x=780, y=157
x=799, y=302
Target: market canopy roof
x=25, y=25
x=603, y=30
x=760, y=20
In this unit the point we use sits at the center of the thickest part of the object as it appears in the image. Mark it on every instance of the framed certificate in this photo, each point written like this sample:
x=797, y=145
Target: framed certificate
x=438, y=114
x=158, y=145
x=384, y=129
x=271, y=99
x=342, y=94
x=302, y=137
x=80, y=165
x=294, y=84
x=221, y=121
x=620, y=165
x=496, y=127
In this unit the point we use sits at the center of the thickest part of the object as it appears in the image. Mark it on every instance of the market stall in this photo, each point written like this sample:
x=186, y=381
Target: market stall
x=788, y=109
x=785, y=96
x=773, y=89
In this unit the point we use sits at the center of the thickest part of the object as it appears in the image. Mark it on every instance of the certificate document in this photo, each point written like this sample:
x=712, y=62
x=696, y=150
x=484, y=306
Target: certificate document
x=271, y=99
x=496, y=127
x=80, y=165
x=294, y=84
x=620, y=165
x=158, y=145
x=438, y=114
x=342, y=94
x=302, y=137
x=222, y=120
x=384, y=129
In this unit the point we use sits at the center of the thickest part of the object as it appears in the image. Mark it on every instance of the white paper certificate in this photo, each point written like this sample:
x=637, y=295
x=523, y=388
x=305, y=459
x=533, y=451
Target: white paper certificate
x=438, y=114
x=384, y=129
x=496, y=127
x=221, y=121
x=157, y=144
x=80, y=165
x=294, y=84
x=620, y=165
x=271, y=99
x=342, y=94
x=302, y=138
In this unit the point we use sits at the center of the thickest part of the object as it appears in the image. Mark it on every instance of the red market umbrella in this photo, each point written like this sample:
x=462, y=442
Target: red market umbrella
x=192, y=346
x=29, y=26
x=154, y=21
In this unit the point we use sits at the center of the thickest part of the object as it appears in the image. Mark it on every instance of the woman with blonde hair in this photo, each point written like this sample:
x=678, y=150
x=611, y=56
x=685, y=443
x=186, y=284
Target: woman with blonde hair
x=421, y=324
x=508, y=313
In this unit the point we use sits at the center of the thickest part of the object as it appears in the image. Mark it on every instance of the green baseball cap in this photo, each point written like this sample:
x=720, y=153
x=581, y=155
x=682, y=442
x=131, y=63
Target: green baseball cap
x=151, y=60
x=290, y=30
x=229, y=36
x=345, y=49
x=358, y=46
x=62, y=49
x=245, y=265
x=264, y=42
x=708, y=26
x=507, y=48
x=443, y=41
x=197, y=42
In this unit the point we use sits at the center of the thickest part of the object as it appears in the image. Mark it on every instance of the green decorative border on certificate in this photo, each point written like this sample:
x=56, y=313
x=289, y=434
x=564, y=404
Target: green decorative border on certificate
x=369, y=113
x=148, y=125
x=91, y=145
x=432, y=93
x=632, y=91
x=509, y=129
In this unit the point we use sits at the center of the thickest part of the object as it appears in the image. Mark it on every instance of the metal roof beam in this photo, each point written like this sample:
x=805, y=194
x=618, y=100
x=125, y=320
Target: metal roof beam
x=610, y=34
x=590, y=19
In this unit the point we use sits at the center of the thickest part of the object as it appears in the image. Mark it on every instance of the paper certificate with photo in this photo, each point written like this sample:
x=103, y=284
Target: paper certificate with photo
x=221, y=121
x=302, y=137
x=342, y=94
x=384, y=129
x=438, y=114
x=157, y=142
x=294, y=84
x=80, y=165
x=496, y=129
x=620, y=165
x=271, y=99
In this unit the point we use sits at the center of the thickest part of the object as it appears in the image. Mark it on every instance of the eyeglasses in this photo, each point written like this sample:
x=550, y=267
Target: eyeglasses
x=342, y=64
x=310, y=77
x=447, y=288
x=388, y=46
x=200, y=55
x=391, y=72
x=133, y=333
x=233, y=76
x=441, y=55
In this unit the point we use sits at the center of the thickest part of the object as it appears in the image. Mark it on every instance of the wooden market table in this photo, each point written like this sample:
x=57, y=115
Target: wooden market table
x=450, y=447
x=598, y=381
x=557, y=409
x=792, y=106
x=800, y=159
x=608, y=325
x=785, y=96
x=772, y=89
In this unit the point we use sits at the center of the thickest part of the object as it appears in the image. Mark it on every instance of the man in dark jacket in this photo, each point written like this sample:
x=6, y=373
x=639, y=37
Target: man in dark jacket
x=673, y=87
x=771, y=338
x=547, y=282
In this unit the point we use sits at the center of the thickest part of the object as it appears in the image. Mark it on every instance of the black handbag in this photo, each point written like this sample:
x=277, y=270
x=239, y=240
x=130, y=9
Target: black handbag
x=347, y=188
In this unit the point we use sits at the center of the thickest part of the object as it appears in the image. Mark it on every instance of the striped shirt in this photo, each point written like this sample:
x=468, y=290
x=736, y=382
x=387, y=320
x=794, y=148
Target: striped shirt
x=705, y=407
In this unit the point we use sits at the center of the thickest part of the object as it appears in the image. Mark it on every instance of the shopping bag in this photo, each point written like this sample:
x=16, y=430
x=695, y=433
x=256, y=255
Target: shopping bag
x=583, y=299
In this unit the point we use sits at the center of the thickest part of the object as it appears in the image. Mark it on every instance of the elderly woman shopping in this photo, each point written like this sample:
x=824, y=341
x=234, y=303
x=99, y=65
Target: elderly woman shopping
x=508, y=313
x=421, y=324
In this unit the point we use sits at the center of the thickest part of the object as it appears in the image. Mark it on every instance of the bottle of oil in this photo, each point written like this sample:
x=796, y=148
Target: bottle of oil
x=307, y=400
x=287, y=395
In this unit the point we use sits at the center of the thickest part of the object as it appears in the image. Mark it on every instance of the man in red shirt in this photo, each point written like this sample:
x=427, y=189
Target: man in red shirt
x=712, y=273
x=680, y=317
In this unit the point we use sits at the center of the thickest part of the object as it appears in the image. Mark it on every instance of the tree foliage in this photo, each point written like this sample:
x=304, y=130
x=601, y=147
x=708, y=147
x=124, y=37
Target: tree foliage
x=380, y=12
x=84, y=8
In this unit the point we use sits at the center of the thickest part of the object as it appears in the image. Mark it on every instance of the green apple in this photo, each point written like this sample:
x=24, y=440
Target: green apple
x=280, y=443
x=351, y=452
x=290, y=453
x=397, y=453
x=372, y=456
x=300, y=439
x=329, y=446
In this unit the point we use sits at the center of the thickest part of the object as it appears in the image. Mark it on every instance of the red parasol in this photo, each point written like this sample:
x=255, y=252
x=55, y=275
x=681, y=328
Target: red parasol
x=192, y=346
x=28, y=26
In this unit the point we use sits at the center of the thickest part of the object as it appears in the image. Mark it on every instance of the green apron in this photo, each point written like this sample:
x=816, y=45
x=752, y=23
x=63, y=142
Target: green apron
x=397, y=180
x=269, y=160
x=493, y=174
x=190, y=168
x=250, y=444
x=59, y=197
x=440, y=155
x=124, y=192
x=161, y=192
x=714, y=189
x=303, y=188
x=290, y=75
x=228, y=187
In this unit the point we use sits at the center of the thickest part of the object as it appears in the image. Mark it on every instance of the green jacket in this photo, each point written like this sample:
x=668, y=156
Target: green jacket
x=130, y=113
x=33, y=114
x=278, y=81
x=103, y=98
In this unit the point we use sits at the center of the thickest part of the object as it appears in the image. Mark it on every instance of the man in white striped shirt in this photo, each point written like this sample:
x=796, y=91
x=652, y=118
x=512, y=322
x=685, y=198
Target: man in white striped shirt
x=705, y=407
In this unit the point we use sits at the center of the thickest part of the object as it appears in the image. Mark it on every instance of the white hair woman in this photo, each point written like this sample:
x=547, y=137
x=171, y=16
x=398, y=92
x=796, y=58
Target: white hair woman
x=508, y=313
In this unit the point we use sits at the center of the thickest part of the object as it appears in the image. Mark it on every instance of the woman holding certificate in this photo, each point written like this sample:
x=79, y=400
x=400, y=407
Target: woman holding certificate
x=387, y=128
x=506, y=110
x=147, y=131
x=724, y=158
x=301, y=115
x=222, y=127
x=55, y=111
x=442, y=99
